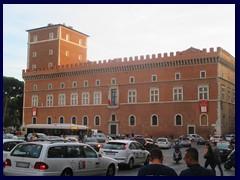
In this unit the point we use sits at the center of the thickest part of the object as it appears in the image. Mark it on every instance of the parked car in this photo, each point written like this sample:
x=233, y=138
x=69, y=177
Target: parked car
x=201, y=141
x=102, y=138
x=8, y=145
x=194, y=137
x=163, y=143
x=57, y=159
x=126, y=152
x=229, y=137
x=186, y=142
x=216, y=138
x=93, y=142
x=225, y=149
x=147, y=144
x=9, y=136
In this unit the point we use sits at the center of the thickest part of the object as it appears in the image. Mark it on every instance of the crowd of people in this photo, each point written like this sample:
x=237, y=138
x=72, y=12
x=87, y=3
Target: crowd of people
x=191, y=157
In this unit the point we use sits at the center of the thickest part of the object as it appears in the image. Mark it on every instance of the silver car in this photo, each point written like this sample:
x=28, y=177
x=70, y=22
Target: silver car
x=127, y=152
x=57, y=159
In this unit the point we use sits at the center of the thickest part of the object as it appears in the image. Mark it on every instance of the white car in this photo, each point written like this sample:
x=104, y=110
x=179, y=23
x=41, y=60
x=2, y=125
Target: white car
x=216, y=138
x=57, y=159
x=194, y=137
x=163, y=143
x=8, y=145
x=126, y=152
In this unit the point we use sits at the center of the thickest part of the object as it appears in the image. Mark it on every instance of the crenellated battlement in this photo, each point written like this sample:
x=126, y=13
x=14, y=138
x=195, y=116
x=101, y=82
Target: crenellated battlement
x=191, y=53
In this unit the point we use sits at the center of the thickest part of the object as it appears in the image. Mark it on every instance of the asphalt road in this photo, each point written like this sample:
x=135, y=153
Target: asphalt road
x=177, y=167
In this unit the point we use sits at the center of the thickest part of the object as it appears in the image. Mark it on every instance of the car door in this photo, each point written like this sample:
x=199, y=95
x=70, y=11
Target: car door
x=141, y=152
x=134, y=152
x=91, y=162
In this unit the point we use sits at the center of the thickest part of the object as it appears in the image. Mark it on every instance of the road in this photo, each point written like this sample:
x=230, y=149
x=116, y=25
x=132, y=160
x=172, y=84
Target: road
x=177, y=167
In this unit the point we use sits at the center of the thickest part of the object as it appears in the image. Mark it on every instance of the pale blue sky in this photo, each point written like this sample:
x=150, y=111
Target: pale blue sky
x=118, y=31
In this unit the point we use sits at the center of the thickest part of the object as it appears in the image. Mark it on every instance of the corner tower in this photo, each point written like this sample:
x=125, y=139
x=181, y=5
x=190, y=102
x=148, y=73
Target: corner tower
x=55, y=45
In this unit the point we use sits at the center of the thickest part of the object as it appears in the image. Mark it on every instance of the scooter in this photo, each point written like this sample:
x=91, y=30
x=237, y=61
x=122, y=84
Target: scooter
x=230, y=160
x=177, y=155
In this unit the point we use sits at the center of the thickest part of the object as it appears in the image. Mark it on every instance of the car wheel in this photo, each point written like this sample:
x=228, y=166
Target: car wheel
x=67, y=172
x=111, y=170
x=130, y=163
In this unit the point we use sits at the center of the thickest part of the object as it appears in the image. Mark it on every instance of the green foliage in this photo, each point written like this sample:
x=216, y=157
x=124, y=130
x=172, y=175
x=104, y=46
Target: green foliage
x=12, y=101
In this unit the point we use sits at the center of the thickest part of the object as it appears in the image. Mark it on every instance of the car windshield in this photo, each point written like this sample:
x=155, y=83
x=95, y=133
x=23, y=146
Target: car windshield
x=162, y=140
x=223, y=146
x=27, y=150
x=114, y=145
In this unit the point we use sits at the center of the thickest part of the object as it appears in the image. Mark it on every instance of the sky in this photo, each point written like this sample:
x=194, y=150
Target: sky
x=120, y=30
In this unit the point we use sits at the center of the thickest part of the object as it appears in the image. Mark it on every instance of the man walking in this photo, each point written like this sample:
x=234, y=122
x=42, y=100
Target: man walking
x=156, y=168
x=194, y=168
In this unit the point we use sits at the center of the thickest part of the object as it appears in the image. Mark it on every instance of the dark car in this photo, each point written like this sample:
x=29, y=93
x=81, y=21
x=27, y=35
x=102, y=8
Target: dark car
x=93, y=142
x=201, y=141
x=186, y=142
x=148, y=145
x=225, y=149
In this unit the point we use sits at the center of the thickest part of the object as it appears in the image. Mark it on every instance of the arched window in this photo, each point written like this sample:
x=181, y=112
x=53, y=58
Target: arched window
x=49, y=120
x=74, y=120
x=61, y=120
x=97, y=121
x=74, y=84
x=203, y=120
x=85, y=120
x=154, y=120
x=34, y=120
x=178, y=120
x=132, y=121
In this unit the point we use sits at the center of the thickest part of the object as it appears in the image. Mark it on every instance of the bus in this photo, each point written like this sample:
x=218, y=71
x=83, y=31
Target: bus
x=57, y=129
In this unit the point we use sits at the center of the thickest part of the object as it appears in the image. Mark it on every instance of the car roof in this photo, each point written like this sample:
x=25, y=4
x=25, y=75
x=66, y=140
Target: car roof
x=122, y=140
x=18, y=140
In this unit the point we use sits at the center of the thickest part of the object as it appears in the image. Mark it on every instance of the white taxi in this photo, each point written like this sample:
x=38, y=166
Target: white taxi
x=128, y=152
x=57, y=159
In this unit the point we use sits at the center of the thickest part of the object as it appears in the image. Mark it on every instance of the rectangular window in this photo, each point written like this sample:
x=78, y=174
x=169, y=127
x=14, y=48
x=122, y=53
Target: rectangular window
x=74, y=99
x=50, y=52
x=154, y=95
x=34, y=101
x=132, y=96
x=35, y=38
x=177, y=76
x=113, y=81
x=97, y=98
x=61, y=100
x=113, y=97
x=49, y=101
x=67, y=53
x=223, y=92
x=85, y=98
x=67, y=37
x=35, y=87
x=97, y=82
x=51, y=35
x=34, y=54
x=178, y=94
x=85, y=83
x=154, y=78
x=202, y=74
x=203, y=92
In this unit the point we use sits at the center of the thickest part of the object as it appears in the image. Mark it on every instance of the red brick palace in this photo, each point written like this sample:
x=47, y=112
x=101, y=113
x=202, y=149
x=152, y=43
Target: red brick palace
x=190, y=91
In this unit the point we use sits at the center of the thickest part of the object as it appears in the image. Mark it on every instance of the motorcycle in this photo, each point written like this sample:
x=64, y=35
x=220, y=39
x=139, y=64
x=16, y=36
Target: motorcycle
x=177, y=154
x=230, y=160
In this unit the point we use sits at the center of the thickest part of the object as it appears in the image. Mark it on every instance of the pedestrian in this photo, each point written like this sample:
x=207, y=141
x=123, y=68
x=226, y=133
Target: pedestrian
x=209, y=156
x=194, y=168
x=34, y=136
x=216, y=152
x=156, y=168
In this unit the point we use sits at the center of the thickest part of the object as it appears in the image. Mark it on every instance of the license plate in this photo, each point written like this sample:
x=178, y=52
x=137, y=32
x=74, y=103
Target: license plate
x=23, y=164
x=110, y=153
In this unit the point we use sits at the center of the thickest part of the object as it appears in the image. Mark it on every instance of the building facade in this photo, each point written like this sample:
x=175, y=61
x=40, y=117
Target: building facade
x=191, y=91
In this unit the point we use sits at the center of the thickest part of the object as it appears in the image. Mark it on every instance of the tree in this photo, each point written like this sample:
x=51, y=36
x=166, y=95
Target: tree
x=13, y=101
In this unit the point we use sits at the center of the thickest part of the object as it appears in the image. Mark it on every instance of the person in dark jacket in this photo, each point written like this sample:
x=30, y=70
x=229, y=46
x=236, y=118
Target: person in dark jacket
x=156, y=168
x=194, y=168
x=216, y=152
x=209, y=156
